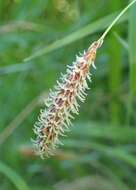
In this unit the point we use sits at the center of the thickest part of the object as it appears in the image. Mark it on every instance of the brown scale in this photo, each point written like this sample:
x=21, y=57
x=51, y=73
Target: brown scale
x=68, y=85
x=69, y=99
x=46, y=146
x=57, y=118
x=72, y=85
x=77, y=76
x=46, y=130
x=53, y=109
x=61, y=92
x=73, y=77
x=85, y=70
x=50, y=117
x=85, y=66
x=59, y=102
x=67, y=92
x=54, y=118
x=51, y=136
x=90, y=55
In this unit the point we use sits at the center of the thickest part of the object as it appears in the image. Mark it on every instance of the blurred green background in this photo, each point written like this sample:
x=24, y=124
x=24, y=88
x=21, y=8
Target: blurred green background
x=38, y=38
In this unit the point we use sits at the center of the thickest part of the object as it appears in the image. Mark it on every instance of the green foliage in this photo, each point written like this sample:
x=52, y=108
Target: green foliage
x=37, y=40
x=13, y=176
x=132, y=62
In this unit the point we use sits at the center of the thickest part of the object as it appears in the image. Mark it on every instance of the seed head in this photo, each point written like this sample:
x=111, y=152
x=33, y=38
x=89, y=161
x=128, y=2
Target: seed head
x=62, y=102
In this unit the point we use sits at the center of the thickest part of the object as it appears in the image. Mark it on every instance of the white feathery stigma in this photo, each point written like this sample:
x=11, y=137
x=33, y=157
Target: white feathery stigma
x=62, y=102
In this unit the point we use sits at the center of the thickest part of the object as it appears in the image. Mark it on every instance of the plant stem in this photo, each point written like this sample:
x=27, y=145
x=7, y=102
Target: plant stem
x=116, y=19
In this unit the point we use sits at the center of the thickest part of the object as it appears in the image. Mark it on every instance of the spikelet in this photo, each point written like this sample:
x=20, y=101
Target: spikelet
x=62, y=102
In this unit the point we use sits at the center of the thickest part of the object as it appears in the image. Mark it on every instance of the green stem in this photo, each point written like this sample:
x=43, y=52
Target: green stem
x=115, y=20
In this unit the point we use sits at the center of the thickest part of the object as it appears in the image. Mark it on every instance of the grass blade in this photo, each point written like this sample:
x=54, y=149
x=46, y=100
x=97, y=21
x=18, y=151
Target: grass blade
x=96, y=130
x=115, y=73
x=118, y=153
x=13, y=176
x=132, y=52
x=122, y=42
x=85, y=31
x=132, y=60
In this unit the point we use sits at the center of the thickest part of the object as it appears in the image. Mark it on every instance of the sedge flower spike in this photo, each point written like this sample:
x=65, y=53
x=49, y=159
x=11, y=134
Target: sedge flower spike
x=62, y=102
